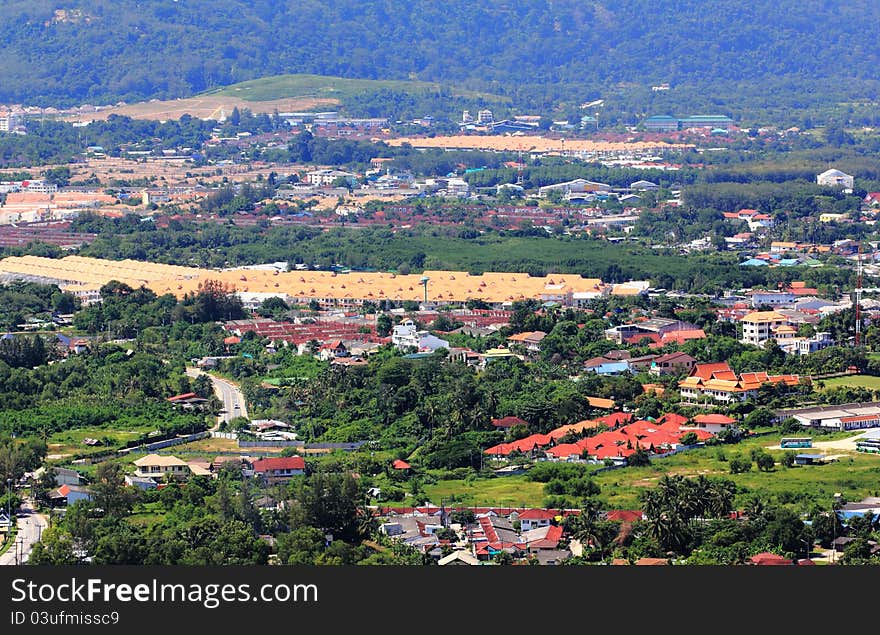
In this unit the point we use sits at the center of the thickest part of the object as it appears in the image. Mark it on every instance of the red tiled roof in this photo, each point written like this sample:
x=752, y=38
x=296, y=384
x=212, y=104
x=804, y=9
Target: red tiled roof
x=767, y=558
x=500, y=449
x=637, y=338
x=508, y=422
x=537, y=514
x=400, y=465
x=607, y=452
x=714, y=418
x=280, y=463
x=624, y=515
x=565, y=449
x=671, y=418
x=652, y=561
x=683, y=336
x=615, y=419
x=658, y=439
x=702, y=435
x=549, y=541
x=601, y=403
x=186, y=395
x=677, y=356
x=705, y=371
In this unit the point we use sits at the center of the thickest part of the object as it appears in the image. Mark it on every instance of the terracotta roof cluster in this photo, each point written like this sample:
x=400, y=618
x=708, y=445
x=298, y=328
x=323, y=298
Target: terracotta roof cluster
x=720, y=377
x=622, y=440
x=321, y=331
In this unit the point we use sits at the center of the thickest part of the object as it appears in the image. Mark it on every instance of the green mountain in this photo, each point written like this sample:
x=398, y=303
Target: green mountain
x=538, y=52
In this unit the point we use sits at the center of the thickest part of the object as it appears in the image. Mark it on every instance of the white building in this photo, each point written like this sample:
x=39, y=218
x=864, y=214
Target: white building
x=806, y=345
x=86, y=294
x=760, y=326
x=834, y=177
x=323, y=178
x=577, y=186
x=251, y=300
x=407, y=335
x=40, y=186
x=448, y=186
x=643, y=186
x=9, y=122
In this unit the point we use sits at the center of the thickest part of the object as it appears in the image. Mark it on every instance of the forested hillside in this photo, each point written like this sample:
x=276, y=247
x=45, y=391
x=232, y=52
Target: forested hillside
x=534, y=50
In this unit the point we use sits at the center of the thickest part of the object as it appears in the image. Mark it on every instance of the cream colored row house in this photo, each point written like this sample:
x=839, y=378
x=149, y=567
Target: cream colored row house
x=157, y=467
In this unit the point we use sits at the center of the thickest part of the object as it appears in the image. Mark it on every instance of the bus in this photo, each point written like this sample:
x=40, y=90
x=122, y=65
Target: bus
x=870, y=445
x=796, y=442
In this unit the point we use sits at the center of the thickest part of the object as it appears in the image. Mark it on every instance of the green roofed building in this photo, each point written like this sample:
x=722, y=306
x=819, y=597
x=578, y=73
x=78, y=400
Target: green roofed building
x=706, y=121
x=660, y=123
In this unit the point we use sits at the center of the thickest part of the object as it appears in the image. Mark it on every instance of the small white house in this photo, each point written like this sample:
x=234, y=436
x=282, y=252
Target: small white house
x=69, y=494
x=533, y=518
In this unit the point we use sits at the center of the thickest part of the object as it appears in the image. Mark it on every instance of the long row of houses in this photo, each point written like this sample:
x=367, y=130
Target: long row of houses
x=621, y=437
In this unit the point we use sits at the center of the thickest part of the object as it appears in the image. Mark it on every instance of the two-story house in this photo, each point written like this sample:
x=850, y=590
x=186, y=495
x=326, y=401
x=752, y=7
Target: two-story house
x=279, y=469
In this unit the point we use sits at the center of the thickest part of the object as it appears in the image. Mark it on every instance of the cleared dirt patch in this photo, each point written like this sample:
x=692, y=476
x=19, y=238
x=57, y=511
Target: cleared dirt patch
x=206, y=107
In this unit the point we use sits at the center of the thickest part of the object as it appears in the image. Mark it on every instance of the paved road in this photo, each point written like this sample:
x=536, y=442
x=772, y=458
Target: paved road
x=30, y=527
x=229, y=395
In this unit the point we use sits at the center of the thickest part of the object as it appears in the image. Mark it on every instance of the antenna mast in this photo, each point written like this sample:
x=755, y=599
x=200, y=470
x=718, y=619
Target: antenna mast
x=519, y=167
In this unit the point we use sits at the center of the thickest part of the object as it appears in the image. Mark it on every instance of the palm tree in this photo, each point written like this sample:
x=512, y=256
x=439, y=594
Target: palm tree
x=719, y=501
x=584, y=527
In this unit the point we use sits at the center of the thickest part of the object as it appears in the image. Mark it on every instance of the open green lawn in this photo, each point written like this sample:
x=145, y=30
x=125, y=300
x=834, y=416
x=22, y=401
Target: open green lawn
x=71, y=441
x=146, y=515
x=503, y=491
x=287, y=86
x=853, y=381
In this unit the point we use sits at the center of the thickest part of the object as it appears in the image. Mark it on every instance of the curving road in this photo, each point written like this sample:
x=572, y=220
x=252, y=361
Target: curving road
x=229, y=396
x=30, y=528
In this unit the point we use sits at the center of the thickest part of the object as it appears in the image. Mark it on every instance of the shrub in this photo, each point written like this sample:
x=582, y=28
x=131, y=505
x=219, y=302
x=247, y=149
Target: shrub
x=740, y=465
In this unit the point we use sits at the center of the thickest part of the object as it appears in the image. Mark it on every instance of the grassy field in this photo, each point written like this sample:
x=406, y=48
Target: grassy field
x=506, y=491
x=71, y=441
x=853, y=381
x=855, y=476
x=146, y=515
x=324, y=86
x=206, y=445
